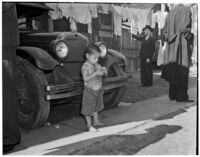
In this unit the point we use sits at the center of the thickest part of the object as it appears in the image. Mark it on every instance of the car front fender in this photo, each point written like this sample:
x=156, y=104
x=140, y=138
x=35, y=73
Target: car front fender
x=113, y=56
x=39, y=57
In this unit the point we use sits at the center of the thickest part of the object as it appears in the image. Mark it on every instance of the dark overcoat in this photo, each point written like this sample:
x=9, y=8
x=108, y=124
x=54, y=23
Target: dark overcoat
x=10, y=41
x=177, y=57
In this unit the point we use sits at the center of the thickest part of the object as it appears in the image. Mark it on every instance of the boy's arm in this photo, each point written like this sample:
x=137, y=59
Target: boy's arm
x=140, y=38
x=86, y=76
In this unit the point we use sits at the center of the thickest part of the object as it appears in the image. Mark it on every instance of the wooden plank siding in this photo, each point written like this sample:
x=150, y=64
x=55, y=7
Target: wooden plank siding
x=131, y=49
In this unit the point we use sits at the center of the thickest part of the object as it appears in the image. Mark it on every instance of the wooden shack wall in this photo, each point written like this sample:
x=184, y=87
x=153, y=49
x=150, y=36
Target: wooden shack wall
x=131, y=49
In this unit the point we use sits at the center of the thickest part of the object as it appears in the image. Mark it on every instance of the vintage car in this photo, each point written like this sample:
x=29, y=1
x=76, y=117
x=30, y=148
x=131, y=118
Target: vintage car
x=48, y=70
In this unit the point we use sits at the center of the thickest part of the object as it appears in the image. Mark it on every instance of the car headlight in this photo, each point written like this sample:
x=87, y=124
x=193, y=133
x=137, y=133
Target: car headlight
x=61, y=49
x=102, y=48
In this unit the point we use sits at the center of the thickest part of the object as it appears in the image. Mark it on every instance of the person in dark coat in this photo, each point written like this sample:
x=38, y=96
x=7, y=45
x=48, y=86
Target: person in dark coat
x=10, y=32
x=146, y=53
x=177, y=32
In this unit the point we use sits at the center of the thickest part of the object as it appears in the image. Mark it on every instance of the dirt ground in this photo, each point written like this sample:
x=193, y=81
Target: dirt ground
x=160, y=87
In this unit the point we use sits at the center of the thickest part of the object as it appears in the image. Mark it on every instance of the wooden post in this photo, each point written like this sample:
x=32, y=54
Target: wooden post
x=50, y=25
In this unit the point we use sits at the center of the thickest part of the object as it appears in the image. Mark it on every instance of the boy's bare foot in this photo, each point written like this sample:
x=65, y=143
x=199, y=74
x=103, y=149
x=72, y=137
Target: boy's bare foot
x=92, y=129
x=98, y=124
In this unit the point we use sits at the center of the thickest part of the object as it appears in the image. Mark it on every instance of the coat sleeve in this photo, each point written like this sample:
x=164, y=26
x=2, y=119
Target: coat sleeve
x=187, y=21
x=140, y=38
x=166, y=28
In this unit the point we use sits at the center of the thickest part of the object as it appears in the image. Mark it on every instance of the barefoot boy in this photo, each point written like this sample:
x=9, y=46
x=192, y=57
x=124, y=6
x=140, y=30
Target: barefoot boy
x=92, y=74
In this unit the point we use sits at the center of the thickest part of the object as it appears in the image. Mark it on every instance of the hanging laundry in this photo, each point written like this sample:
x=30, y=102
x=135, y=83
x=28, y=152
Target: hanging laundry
x=79, y=12
x=153, y=20
x=135, y=19
x=193, y=10
x=104, y=8
x=66, y=9
x=90, y=28
x=73, y=26
x=56, y=14
x=132, y=15
x=162, y=7
x=133, y=27
x=161, y=52
x=194, y=30
x=93, y=10
x=125, y=13
x=142, y=15
x=161, y=16
x=149, y=18
x=117, y=20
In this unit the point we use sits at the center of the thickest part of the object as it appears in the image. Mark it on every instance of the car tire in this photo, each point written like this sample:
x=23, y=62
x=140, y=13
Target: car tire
x=114, y=96
x=33, y=109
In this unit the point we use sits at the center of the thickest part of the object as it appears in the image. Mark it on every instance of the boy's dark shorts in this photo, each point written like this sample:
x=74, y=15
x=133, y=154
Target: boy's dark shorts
x=92, y=101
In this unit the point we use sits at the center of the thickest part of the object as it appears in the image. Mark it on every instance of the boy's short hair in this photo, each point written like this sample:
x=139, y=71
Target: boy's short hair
x=91, y=49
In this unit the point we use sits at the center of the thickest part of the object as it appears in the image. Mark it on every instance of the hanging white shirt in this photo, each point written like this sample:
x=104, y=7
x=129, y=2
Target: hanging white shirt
x=161, y=16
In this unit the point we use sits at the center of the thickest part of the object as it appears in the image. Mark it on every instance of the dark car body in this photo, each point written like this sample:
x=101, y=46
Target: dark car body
x=44, y=80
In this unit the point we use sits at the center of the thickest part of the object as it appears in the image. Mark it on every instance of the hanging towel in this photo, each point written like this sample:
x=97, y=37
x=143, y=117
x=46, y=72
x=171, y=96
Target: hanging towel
x=117, y=20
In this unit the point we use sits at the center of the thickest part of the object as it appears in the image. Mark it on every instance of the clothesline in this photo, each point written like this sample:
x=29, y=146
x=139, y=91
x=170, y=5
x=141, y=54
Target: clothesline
x=83, y=13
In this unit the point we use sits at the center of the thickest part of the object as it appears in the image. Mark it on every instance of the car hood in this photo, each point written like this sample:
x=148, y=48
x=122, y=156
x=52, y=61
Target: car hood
x=77, y=42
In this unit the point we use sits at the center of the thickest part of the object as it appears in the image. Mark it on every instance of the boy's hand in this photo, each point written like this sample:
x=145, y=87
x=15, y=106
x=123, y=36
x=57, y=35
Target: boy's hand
x=99, y=73
x=104, y=70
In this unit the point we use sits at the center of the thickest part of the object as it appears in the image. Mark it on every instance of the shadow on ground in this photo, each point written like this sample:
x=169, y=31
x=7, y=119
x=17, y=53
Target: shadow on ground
x=124, y=144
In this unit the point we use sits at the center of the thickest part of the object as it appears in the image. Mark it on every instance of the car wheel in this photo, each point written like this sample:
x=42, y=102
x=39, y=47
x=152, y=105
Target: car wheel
x=114, y=96
x=33, y=109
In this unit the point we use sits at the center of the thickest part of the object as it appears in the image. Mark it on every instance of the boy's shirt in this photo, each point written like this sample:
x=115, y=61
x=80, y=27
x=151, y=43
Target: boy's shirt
x=96, y=82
